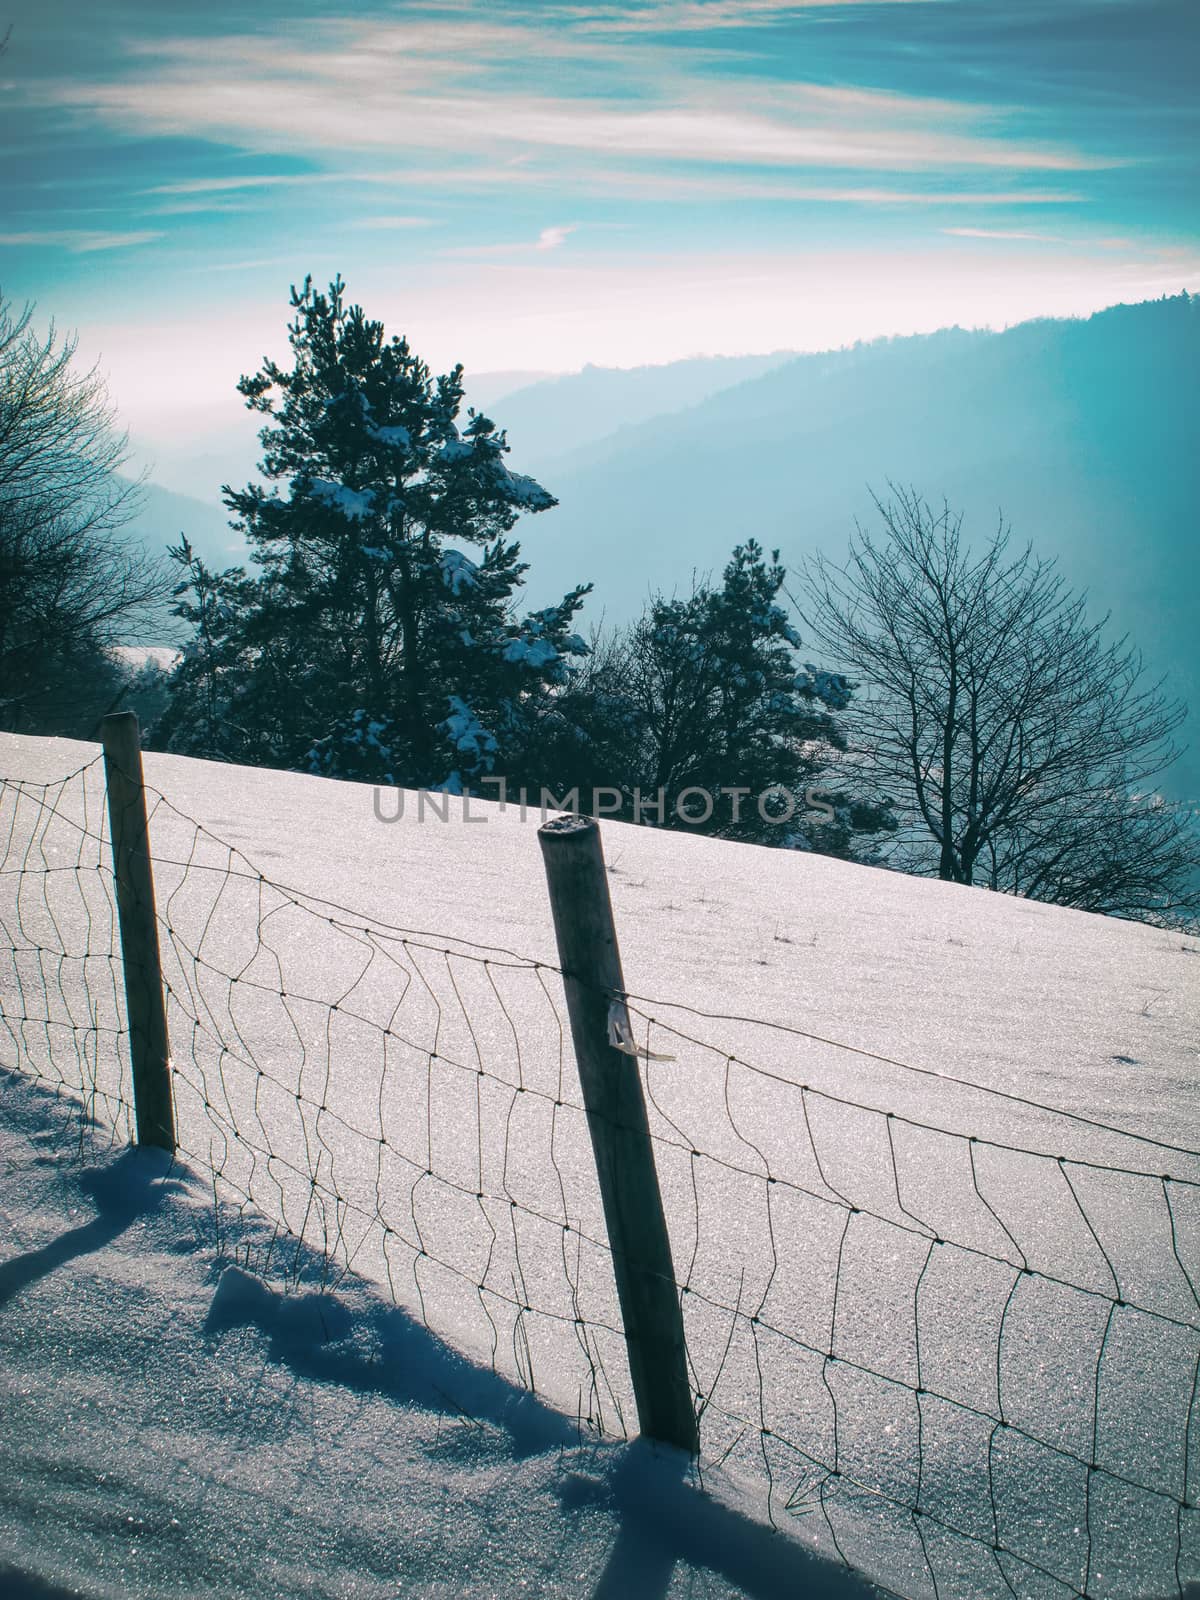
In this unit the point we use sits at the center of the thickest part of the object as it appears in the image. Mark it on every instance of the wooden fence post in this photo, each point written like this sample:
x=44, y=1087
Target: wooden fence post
x=149, y=1048
x=620, y=1132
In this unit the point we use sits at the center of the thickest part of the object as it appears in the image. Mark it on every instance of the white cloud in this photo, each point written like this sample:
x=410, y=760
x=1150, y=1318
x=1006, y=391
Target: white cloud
x=1002, y=233
x=553, y=238
x=79, y=241
x=697, y=15
x=253, y=264
x=358, y=87
x=727, y=186
x=202, y=206
x=394, y=222
x=261, y=180
x=630, y=183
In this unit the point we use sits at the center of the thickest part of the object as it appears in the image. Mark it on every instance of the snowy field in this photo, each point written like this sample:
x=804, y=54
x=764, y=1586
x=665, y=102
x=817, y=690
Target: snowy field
x=934, y=1209
x=173, y=1426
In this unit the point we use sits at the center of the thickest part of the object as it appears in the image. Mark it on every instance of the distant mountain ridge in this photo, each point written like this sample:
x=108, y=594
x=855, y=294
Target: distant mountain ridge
x=1083, y=433
x=560, y=415
x=164, y=515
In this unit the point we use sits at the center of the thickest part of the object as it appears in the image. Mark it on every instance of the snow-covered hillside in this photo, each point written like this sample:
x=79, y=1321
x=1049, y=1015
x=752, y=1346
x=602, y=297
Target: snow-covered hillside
x=925, y=1152
x=176, y=1426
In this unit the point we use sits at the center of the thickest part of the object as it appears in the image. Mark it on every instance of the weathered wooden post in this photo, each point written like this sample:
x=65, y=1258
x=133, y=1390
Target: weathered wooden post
x=149, y=1048
x=620, y=1132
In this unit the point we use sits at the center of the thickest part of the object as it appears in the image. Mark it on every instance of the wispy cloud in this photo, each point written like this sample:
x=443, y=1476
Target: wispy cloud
x=1003, y=233
x=865, y=165
x=698, y=15
x=322, y=112
x=386, y=222
x=552, y=238
x=254, y=264
x=628, y=182
x=667, y=185
x=370, y=87
x=79, y=241
x=258, y=180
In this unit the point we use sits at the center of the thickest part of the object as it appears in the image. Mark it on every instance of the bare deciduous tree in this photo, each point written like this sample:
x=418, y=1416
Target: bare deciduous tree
x=1025, y=746
x=71, y=583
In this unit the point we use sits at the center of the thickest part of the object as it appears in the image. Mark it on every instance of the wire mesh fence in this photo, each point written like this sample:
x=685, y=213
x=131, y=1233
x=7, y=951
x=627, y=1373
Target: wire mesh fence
x=61, y=1012
x=946, y=1334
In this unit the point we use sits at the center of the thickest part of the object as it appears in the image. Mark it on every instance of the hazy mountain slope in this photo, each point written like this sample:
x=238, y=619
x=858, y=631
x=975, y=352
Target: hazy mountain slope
x=1083, y=433
x=486, y=388
x=552, y=419
x=164, y=515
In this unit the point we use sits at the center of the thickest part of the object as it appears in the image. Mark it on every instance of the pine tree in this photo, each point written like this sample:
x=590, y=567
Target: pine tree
x=201, y=714
x=706, y=695
x=380, y=639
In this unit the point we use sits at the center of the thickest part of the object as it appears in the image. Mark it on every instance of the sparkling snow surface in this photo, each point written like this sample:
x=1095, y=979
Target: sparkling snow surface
x=172, y=1426
x=803, y=1224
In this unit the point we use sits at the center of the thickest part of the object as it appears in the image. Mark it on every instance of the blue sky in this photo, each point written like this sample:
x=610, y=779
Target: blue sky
x=538, y=185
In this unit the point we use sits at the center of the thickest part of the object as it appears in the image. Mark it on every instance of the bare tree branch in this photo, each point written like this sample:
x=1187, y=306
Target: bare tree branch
x=71, y=583
x=1028, y=745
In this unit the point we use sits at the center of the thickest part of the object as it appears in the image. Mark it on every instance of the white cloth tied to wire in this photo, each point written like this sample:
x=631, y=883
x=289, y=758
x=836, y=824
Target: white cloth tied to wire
x=620, y=1033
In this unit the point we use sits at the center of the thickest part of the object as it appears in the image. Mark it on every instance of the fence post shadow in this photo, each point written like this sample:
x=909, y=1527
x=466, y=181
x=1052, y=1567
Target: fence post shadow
x=306, y=1330
x=17, y=1584
x=132, y=1187
x=664, y=1519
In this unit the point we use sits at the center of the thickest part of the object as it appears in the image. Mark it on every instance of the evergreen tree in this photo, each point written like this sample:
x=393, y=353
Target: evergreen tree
x=202, y=709
x=379, y=640
x=706, y=695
